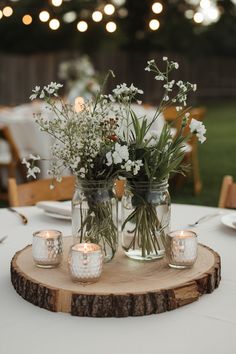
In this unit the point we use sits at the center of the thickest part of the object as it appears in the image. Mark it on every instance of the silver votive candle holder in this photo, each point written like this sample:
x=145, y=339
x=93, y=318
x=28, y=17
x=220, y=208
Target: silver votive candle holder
x=47, y=248
x=181, y=249
x=85, y=262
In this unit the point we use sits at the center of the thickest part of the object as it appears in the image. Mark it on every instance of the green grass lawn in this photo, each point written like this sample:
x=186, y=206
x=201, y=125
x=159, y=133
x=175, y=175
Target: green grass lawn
x=217, y=155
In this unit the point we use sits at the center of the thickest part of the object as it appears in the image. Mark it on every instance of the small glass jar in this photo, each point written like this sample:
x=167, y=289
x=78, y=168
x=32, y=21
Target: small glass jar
x=181, y=249
x=145, y=219
x=85, y=262
x=95, y=216
x=47, y=248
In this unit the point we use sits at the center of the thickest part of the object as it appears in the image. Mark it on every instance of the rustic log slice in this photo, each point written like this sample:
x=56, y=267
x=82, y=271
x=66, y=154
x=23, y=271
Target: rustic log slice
x=126, y=287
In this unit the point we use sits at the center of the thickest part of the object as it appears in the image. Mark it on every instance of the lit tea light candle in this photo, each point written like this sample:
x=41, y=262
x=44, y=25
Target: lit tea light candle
x=181, y=249
x=85, y=262
x=79, y=104
x=47, y=248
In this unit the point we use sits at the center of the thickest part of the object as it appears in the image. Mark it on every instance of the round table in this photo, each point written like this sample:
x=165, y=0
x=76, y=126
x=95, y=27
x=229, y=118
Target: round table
x=205, y=326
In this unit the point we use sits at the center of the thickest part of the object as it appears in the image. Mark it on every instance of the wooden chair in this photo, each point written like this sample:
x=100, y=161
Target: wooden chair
x=227, y=193
x=10, y=160
x=32, y=192
x=191, y=157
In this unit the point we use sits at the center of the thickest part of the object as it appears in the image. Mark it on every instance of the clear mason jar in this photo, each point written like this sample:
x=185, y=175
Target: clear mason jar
x=145, y=220
x=94, y=215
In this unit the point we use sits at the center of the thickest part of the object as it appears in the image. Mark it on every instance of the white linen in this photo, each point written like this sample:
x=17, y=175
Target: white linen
x=61, y=208
x=26, y=133
x=206, y=326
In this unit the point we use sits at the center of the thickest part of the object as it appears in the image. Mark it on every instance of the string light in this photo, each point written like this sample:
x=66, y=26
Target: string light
x=109, y=9
x=82, y=26
x=189, y=14
x=111, y=26
x=54, y=24
x=27, y=20
x=157, y=7
x=7, y=11
x=205, y=4
x=198, y=17
x=123, y=12
x=97, y=16
x=44, y=16
x=56, y=2
x=69, y=17
x=118, y=2
x=1, y=15
x=154, y=24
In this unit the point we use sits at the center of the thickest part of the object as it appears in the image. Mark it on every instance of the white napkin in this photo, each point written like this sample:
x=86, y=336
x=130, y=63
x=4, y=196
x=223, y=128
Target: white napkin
x=61, y=208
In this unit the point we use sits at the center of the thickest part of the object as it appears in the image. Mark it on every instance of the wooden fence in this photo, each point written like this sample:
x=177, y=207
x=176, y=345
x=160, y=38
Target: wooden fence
x=216, y=77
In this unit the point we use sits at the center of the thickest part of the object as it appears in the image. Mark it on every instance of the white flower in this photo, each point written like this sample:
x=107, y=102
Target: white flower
x=147, y=68
x=139, y=102
x=25, y=162
x=132, y=166
x=42, y=94
x=160, y=77
x=176, y=65
x=122, y=150
x=121, y=153
x=199, y=129
x=166, y=98
x=32, y=157
x=164, y=58
x=109, y=158
x=35, y=91
x=32, y=172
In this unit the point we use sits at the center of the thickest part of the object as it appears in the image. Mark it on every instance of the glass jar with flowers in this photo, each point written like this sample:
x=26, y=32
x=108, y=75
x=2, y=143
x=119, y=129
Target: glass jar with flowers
x=98, y=140
x=152, y=157
x=83, y=135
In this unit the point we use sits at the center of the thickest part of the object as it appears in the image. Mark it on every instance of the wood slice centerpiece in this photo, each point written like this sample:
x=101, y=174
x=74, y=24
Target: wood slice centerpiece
x=126, y=287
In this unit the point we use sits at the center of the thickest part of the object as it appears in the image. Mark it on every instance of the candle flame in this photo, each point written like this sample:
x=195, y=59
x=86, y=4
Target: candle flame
x=79, y=104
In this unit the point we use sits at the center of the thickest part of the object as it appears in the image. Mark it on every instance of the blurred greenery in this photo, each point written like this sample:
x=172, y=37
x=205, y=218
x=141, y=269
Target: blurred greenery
x=217, y=155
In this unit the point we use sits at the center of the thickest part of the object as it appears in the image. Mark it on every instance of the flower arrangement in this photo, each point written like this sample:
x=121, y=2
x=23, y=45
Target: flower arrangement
x=101, y=139
x=80, y=78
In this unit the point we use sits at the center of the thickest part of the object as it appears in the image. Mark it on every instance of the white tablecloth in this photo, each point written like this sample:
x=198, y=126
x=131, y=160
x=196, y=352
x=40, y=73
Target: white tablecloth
x=207, y=326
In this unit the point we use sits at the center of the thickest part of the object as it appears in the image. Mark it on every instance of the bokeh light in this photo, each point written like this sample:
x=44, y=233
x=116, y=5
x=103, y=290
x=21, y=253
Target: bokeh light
x=154, y=24
x=111, y=26
x=69, y=17
x=97, y=16
x=7, y=11
x=82, y=26
x=109, y=9
x=157, y=7
x=205, y=4
x=44, y=16
x=56, y=2
x=198, y=17
x=54, y=24
x=27, y=20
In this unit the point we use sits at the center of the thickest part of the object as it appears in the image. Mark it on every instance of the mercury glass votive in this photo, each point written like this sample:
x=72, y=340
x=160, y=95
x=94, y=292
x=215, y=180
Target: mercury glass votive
x=181, y=249
x=85, y=262
x=47, y=248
